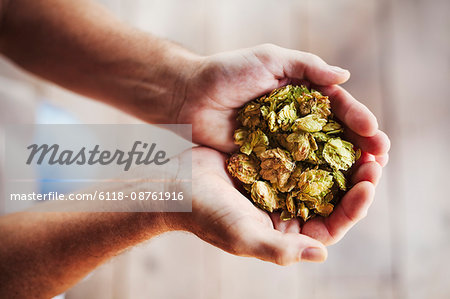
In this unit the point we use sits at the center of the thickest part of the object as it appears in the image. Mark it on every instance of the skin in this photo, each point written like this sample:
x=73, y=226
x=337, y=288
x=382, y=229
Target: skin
x=80, y=46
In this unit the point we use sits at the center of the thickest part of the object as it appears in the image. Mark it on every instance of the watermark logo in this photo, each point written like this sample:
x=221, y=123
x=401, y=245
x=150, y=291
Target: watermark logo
x=54, y=155
x=97, y=168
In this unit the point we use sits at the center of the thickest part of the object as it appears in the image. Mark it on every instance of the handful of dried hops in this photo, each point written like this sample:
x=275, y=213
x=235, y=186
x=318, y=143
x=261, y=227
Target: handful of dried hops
x=292, y=157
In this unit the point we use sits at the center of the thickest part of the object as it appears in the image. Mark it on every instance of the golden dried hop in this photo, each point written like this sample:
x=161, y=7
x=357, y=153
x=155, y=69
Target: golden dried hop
x=292, y=154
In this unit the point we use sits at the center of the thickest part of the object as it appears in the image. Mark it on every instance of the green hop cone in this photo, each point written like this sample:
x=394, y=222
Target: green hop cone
x=293, y=157
x=251, y=141
x=264, y=196
x=244, y=168
x=315, y=182
x=310, y=123
x=339, y=153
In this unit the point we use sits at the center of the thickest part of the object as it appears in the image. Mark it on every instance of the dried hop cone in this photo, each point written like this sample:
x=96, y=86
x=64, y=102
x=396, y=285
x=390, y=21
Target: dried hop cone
x=292, y=155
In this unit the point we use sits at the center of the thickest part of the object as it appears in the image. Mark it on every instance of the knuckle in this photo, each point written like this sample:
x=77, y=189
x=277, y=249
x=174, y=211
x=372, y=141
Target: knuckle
x=314, y=58
x=363, y=215
x=332, y=234
x=280, y=256
x=353, y=217
x=269, y=47
x=234, y=249
x=236, y=243
x=237, y=246
x=208, y=72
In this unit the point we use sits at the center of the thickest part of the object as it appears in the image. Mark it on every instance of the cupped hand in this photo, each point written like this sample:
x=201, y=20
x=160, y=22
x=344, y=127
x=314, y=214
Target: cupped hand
x=352, y=208
x=224, y=82
x=224, y=217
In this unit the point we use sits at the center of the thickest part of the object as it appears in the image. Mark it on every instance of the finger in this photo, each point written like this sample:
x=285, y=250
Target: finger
x=303, y=65
x=382, y=160
x=353, y=113
x=370, y=171
x=282, y=248
x=377, y=145
x=292, y=64
x=365, y=157
x=285, y=226
x=352, y=208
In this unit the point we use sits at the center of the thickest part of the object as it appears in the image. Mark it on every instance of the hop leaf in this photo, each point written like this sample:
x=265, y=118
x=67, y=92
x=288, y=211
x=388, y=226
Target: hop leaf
x=324, y=209
x=272, y=121
x=315, y=157
x=332, y=127
x=310, y=123
x=240, y=136
x=340, y=180
x=303, y=212
x=286, y=116
x=320, y=137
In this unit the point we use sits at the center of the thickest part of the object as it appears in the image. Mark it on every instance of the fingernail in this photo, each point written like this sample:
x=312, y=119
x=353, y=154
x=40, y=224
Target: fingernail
x=339, y=70
x=313, y=254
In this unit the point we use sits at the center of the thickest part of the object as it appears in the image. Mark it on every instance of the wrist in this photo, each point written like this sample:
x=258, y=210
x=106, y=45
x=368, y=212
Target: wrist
x=182, y=182
x=160, y=93
x=185, y=65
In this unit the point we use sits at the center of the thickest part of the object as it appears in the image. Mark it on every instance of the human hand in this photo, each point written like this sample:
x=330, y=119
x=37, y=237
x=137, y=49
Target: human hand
x=217, y=90
x=225, y=218
x=224, y=82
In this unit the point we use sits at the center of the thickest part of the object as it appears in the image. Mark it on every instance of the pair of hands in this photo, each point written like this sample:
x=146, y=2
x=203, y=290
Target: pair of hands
x=221, y=215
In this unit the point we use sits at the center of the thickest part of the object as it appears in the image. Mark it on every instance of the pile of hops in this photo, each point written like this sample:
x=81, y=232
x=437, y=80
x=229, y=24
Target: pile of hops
x=292, y=155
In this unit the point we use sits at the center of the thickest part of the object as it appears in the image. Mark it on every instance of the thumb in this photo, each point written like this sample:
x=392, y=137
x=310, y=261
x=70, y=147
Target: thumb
x=303, y=65
x=283, y=248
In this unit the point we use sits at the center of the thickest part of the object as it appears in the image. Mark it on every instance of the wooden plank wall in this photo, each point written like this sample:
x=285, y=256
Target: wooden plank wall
x=399, y=55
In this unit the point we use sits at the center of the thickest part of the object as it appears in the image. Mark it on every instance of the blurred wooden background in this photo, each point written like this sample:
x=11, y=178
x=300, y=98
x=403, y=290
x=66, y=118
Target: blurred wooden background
x=399, y=55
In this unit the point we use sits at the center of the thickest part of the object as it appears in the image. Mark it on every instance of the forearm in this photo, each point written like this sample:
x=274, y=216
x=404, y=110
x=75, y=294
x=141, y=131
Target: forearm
x=45, y=253
x=81, y=46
